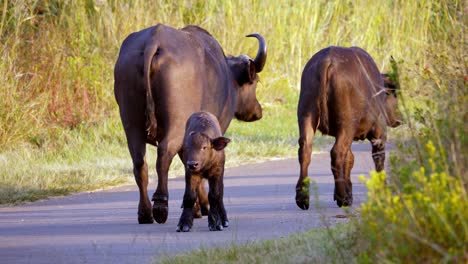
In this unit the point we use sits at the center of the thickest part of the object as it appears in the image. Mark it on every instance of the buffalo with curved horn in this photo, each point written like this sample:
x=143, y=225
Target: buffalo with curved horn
x=162, y=76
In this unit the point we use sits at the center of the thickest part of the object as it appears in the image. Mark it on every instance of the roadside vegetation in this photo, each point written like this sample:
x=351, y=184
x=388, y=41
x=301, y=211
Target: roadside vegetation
x=60, y=131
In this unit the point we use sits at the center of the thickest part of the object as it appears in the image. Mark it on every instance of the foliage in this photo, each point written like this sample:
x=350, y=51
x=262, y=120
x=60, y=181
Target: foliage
x=422, y=221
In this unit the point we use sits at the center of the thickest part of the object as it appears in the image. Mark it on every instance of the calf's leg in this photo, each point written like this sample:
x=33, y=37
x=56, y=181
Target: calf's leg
x=217, y=218
x=200, y=207
x=190, y=195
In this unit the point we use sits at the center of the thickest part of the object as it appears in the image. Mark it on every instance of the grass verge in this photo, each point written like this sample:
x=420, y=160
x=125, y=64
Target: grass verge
x=313, y=246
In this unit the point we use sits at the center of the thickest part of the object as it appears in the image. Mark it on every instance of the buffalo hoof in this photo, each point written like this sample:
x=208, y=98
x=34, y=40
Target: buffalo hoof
x=160, y=211
x=145, y=215
x=160, y=208
x=302, y=200
x=183, y=228
x=226, y=223
x=216, y=227
x=145, y=220
x=347, y=201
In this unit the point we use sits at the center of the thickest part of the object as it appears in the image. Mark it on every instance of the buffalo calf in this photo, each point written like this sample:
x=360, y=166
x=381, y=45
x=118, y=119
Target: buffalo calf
x=343, y=95
x=203, y=157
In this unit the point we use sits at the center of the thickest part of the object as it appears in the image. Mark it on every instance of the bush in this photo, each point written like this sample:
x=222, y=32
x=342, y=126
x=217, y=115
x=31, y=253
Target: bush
x=423, y=221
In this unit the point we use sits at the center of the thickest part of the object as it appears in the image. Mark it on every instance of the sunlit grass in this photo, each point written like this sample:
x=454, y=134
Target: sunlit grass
x=314, y=246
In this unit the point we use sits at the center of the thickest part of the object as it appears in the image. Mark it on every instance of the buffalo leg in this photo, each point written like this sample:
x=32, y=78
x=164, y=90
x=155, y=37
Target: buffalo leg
x=378, y=140
x=378, y=154
x=191, y=185
x=306, y=137
x=217, y=218
x=339, y=154
x=137, y=148
x=166, y=153
x=349, y=163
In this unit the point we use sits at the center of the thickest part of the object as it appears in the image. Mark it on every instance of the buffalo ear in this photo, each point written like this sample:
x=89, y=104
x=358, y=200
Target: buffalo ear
x=247, y=72
x=220, y=143
x=252, y=70
x=243, y=69
x=389, y=84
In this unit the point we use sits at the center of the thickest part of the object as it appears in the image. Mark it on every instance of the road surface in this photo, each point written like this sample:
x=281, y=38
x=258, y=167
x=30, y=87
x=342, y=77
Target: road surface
x=101, y=227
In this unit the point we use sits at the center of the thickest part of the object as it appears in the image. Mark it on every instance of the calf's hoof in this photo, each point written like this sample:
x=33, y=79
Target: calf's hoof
x=215, y=227
x=197, y=213
x=226, y=223
x=183, y=228
x=204, y=210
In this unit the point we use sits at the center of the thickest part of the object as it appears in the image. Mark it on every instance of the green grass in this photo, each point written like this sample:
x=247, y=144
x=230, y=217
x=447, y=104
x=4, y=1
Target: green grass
x=313, y=246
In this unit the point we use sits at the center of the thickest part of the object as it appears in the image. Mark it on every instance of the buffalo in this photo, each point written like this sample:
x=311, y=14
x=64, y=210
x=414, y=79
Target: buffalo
x=343, y=95
x=203, y=157
x=162, y=76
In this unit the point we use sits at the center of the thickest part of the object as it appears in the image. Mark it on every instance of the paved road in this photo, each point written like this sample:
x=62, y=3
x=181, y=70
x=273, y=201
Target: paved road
x=101, y=227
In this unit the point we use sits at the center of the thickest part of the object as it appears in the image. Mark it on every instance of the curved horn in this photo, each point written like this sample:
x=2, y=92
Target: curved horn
x=260, y=59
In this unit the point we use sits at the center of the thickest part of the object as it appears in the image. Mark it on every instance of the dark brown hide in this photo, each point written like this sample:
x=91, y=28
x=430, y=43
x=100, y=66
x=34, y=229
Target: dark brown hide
x=203, y=157
x=162, y=76
x=343, y=95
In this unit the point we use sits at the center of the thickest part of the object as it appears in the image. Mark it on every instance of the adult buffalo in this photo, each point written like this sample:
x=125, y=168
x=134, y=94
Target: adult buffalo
x=162, y=76
x=344, y=95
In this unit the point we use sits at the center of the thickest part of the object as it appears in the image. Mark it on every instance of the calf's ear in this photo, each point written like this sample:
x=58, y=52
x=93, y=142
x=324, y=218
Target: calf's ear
x=220, y=143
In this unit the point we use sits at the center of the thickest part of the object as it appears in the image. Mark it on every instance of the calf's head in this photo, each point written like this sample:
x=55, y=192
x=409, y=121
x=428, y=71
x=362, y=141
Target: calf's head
x=245, y=70
x=200, y=150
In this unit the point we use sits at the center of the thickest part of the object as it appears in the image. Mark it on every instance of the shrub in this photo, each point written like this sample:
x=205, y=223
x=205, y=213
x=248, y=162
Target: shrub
x=422, y=221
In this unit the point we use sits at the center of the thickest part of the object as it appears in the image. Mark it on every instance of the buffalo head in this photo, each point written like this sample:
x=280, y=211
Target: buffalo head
x=244, y=70
x=392, y=115
x=200, y=150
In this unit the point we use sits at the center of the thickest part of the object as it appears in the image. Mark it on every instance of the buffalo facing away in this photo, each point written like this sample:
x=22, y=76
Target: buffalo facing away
x=203, y=157
x=343, y=95
x=162, y=76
